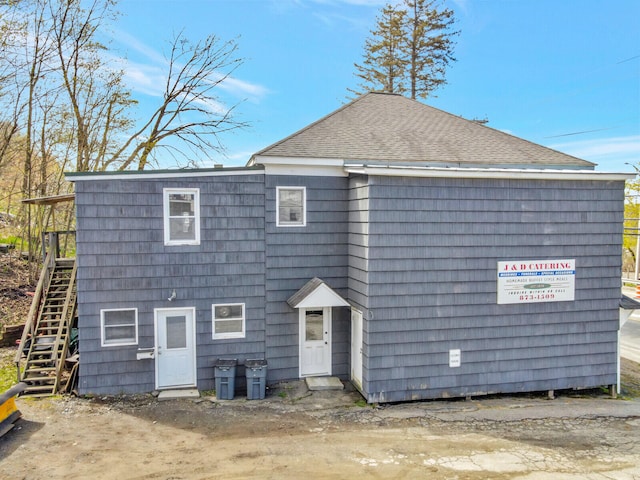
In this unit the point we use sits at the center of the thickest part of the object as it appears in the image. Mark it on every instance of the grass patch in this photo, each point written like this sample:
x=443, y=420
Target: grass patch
x=8, y=376
x=11, y=240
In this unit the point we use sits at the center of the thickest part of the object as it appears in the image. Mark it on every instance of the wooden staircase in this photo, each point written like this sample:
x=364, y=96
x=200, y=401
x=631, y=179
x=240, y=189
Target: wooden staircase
x=48, y=333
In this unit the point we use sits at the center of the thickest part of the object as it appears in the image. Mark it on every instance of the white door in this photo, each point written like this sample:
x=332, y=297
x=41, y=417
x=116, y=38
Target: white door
x=356, y=348
x=175, y=348
x=315, y=341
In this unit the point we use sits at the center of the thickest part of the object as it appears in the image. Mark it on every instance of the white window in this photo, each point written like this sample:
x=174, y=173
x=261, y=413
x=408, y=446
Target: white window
x=119, y=326
x=181, y=216
x=228, y=320
x=291, y=207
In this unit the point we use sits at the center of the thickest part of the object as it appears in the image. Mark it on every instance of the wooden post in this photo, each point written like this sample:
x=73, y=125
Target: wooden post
x=54, y=246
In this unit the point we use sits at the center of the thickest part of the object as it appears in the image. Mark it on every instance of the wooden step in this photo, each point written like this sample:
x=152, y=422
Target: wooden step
x=43, y=344
x=43, y=328
x=44, y=380
x=39, y=362
x=36, y=370
x=57, y=294
x=40, y=369
x=40, y=390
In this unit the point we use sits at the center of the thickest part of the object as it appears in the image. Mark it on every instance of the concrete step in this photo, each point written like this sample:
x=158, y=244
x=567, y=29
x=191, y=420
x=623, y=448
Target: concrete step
x=324, y=383
x=178, y=394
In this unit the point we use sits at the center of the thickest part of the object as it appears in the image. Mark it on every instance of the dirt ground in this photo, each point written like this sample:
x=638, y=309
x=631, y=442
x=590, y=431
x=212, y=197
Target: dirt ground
x=295, y=433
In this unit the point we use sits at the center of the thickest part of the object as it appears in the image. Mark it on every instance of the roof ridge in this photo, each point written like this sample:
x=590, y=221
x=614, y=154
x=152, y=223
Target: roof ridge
x=311, y=125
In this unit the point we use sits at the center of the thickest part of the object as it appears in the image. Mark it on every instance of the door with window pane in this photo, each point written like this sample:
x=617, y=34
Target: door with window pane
x=315, y=341
x=175, y=348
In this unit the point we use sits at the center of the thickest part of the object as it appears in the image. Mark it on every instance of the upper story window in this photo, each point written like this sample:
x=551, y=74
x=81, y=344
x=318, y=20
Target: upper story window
x=119, y=326
x=181, y=216
x=291, y=207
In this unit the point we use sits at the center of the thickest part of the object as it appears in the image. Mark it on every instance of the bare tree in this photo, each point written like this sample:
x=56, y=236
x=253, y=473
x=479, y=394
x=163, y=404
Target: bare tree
x=59, y=65
x=94, y=90
x=191, y=110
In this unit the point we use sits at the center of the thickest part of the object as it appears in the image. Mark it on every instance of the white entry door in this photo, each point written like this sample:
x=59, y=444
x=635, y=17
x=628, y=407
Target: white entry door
x=356, y=348
x=175, y=347
x=315, y=341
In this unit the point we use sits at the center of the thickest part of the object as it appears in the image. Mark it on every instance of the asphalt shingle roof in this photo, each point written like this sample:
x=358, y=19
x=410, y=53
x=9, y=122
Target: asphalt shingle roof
x=391, y=129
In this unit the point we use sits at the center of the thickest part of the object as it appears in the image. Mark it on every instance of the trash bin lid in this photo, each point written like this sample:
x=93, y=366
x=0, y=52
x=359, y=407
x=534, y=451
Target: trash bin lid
x=226, y=362
x=255, y=363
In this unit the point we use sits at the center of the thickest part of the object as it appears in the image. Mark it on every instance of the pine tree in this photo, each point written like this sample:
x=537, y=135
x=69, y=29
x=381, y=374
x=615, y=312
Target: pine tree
x=409, y=51
x=384, y=65
x=429, y=45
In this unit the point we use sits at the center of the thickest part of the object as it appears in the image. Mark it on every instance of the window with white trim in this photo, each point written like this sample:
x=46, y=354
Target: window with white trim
x=119, y=326
x=181, y=216
x=291, y=207
x=228, y=320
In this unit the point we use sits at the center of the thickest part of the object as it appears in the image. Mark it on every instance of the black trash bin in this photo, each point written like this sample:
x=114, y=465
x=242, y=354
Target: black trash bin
x=225, y=375
x=256, y=371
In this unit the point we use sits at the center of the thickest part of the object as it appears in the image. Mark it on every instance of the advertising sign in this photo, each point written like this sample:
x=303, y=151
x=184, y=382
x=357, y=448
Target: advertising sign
x=530, y=281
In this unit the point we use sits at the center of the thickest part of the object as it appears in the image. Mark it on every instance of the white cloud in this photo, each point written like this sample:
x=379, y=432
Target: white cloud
x=621, y=146
x=147, y=79
x=148, y=73
x=610, y=154
x=463, y=5
x=132, y=43
x=241, y=88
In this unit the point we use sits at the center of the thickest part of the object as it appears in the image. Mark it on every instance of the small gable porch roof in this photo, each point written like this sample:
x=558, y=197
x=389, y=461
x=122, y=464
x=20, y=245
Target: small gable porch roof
x=316, y=294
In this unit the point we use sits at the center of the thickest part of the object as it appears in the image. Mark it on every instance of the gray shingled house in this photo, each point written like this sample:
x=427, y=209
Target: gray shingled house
x=415, y=253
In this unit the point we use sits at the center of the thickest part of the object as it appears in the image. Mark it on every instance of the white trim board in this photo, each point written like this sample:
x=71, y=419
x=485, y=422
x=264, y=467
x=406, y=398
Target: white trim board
x=502, y=173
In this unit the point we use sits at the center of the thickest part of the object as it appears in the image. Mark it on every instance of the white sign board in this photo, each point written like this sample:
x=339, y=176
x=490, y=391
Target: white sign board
x=529, y=281
x=454, y=358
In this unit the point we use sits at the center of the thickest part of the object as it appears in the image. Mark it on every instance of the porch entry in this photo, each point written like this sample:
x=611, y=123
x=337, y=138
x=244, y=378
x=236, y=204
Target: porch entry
x=175, y=347
x=315, y=341
x=314, y=302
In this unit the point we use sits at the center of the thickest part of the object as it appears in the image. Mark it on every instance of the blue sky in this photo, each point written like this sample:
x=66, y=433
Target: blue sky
x=561, y=73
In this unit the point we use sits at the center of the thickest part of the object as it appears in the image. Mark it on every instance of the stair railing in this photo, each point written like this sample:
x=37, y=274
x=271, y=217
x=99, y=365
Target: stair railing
x=41, y=288
x=66, y=321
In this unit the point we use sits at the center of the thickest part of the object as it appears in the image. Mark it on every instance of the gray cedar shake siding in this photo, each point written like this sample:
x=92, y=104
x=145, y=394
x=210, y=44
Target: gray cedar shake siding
x=423, y=270
x=294, y=255
x=123, y=263
x=408, y=212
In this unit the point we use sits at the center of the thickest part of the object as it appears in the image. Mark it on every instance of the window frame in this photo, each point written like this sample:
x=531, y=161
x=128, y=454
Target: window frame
x=166, y=214
x=303, y=222
x=227, y=335
x=103, y=328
